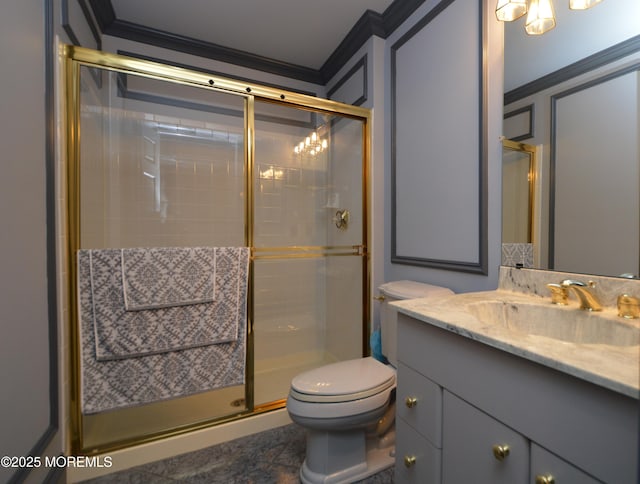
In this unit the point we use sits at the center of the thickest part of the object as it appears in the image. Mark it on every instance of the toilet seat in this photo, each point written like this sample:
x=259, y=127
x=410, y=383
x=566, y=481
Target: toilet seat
x=332, y=413
x=344, y=381
x=341, y=390
x=346, y=397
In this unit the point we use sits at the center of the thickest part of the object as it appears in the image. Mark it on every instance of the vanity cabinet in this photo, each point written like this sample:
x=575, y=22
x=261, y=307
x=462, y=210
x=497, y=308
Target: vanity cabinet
x=468, y=412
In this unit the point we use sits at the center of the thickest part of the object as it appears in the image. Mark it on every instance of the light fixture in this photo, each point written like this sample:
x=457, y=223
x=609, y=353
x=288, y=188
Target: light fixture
x=540, y=18
x=272, y=173
x=312, y=144
x=509, y=10
x=582, y=4
x=540, y=15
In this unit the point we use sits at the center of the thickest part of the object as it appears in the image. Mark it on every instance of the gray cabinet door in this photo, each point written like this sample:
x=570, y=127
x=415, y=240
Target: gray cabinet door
x=546, y=464
x=469, y=437
x=419, y=403
x=417, y=460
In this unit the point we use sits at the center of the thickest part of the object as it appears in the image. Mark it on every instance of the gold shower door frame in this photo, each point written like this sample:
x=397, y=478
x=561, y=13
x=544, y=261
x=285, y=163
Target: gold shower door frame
x=74, y=58
x=532, y=155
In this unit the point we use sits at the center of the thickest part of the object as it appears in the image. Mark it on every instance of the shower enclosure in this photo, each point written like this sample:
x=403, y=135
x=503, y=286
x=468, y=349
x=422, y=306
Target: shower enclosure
x=164, y=156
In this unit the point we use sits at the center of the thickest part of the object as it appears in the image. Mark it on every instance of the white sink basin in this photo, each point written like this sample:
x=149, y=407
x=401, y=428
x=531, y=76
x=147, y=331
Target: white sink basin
x=564, y=323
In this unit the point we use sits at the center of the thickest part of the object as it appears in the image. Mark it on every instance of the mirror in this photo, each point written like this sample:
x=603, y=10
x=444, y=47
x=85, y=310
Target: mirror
x=573, y=96
x=518, y=204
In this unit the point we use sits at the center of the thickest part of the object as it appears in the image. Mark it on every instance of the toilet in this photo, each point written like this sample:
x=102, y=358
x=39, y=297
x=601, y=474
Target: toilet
x=348, y=408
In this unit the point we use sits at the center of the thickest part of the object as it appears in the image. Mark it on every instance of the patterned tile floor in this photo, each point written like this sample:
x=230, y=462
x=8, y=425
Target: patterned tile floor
x=270, y=457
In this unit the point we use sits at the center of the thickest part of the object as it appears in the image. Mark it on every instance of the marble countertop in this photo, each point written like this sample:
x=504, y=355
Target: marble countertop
x=616, y=368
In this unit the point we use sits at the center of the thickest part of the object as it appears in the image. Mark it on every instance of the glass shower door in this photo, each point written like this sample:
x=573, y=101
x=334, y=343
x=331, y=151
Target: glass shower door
x=172, y=160
x=309, y=236
x=161, y=165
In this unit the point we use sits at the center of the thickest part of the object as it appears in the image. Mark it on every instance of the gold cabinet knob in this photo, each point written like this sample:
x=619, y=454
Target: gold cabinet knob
x=411, y=402
x=409, y=460
x=379, y=298
x=545, y=479
x=500, y=452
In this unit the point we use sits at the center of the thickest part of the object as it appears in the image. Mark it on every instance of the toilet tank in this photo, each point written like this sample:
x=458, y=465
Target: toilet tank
x=396, y=291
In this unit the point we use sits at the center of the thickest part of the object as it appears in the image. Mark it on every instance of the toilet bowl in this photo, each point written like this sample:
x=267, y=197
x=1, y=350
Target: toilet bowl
x=348, y=407
x=340, y=405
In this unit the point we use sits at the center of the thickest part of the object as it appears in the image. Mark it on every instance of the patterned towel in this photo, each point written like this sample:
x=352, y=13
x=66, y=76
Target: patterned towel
x=119, y=383
x=124, y=334
x=161, y=277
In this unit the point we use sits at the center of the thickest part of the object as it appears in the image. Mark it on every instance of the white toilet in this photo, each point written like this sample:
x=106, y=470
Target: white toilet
x=348, y=407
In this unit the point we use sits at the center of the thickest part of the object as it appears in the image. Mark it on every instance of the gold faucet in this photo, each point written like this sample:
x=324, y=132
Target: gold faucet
x=628, y=306
x=559, y=294
x=588, y=300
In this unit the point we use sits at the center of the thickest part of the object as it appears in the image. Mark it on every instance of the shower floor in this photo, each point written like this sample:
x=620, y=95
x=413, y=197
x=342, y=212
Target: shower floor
x=135, y=422
x=272, y=379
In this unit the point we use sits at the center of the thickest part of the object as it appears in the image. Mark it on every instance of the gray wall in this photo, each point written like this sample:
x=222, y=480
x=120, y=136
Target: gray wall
x=27, y=417
x=433, y=76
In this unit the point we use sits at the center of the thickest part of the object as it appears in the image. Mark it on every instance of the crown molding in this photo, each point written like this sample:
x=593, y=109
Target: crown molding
x=200, y=48
x=370, y=23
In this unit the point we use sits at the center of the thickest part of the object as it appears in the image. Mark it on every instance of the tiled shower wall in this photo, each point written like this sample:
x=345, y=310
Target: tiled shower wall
x=153, y=186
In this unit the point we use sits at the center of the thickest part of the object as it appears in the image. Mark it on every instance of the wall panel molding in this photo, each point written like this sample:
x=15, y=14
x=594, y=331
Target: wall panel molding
x=359, y=69
x=437, y=142
x=40, y=446
x=87, y=35
x=522, y=118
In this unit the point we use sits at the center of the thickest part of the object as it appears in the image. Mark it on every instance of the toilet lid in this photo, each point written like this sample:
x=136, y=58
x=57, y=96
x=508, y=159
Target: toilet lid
x=343, y=381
